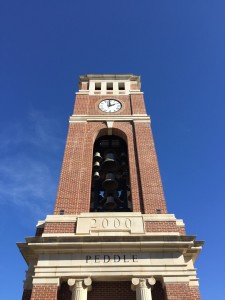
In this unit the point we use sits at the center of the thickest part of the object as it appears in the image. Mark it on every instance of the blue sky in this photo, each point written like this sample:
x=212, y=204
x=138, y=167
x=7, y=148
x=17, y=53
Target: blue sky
x=176, y=46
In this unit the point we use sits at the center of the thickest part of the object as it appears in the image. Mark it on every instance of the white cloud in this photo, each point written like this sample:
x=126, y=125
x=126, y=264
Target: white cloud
x=27, y=180
x=44, y=130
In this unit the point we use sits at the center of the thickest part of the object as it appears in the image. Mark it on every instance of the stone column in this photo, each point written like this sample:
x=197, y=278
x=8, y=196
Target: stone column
x=79, y=288
x=143, y=287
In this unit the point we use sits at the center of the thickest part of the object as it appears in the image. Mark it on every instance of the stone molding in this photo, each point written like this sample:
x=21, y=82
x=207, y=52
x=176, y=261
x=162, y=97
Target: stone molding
x=143, y=287
x=79, y=288
x=46, y=280
x=146, y=217
x=118, y=118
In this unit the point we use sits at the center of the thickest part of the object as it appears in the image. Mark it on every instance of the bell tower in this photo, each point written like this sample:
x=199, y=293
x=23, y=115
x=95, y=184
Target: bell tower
x=110, y=236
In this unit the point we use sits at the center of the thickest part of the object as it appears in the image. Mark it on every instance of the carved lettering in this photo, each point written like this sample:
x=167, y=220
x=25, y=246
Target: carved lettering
x=116, y=258
x=93, y=223
x=88, y=257
x=106, y=258
x=124, y=259
x=116, y=223
x=134, y=258
x=105, y=223
x=97, y=258
x=128, y=223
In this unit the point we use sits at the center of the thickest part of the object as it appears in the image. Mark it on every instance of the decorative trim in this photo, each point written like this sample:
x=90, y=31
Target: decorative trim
x=44, y=280
x=118, y=118
x=57, y=234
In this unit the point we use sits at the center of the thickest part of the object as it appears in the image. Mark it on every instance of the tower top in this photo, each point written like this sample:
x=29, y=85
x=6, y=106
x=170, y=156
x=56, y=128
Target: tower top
x=103, y=84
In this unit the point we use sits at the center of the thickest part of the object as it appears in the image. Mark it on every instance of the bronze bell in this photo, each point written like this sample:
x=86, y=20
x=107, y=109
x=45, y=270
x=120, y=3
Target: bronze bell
x=123, y=155
x=123, y=165
x=110, y=182
x=97, y=156
x=114, y=194
x=96, y=176
x=110, y=164
x=110, y=203
x=96, y=165
x=125, y=175
x=101, y=200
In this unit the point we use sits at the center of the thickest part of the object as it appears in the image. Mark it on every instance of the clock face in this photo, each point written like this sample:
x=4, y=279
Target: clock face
x=110, y=105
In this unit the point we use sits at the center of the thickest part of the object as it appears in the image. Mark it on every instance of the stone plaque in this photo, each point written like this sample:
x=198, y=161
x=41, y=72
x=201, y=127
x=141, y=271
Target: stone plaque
x=98, y=225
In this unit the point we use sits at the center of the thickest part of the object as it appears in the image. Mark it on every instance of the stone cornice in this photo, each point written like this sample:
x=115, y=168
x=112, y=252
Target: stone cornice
x=115, y=118
x=110, y=77
x=94, y=244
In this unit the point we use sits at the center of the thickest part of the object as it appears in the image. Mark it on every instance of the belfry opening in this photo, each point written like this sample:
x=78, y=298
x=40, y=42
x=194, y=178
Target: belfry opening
x=110, y=188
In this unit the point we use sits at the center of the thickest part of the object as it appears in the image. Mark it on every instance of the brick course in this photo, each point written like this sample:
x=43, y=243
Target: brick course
x=164, y=226
x=137, y=104
x=151, y=185
x=44, y=292
x=195, y=294
x=59, y=227
x=179, y=291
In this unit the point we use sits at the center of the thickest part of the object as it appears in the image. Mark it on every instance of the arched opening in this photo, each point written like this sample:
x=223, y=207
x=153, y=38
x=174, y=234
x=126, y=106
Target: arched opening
x=110, y=188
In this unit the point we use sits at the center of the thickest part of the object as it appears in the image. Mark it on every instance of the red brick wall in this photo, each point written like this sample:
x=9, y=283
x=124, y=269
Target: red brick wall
x=26, y=294
x=88, y=105
x=44, y=292
x=59, y=227
x=164, y=226
x=195, y=294
x=179, y=291
x=151, y=185
x=118, y=290
x=137, y=104
x=72, y=170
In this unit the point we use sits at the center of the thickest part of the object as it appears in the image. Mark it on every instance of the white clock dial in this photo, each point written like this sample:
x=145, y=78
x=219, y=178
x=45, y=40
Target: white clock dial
x=110, y=105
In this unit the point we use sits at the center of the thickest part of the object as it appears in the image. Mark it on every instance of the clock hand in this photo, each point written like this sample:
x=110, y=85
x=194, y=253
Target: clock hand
x=110, y=103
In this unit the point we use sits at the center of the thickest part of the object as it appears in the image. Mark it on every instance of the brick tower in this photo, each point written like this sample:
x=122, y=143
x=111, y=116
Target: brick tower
x=110, y=236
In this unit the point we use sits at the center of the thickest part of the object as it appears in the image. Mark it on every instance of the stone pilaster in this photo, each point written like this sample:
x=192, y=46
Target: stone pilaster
x=143, y=287
x=79, y=288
